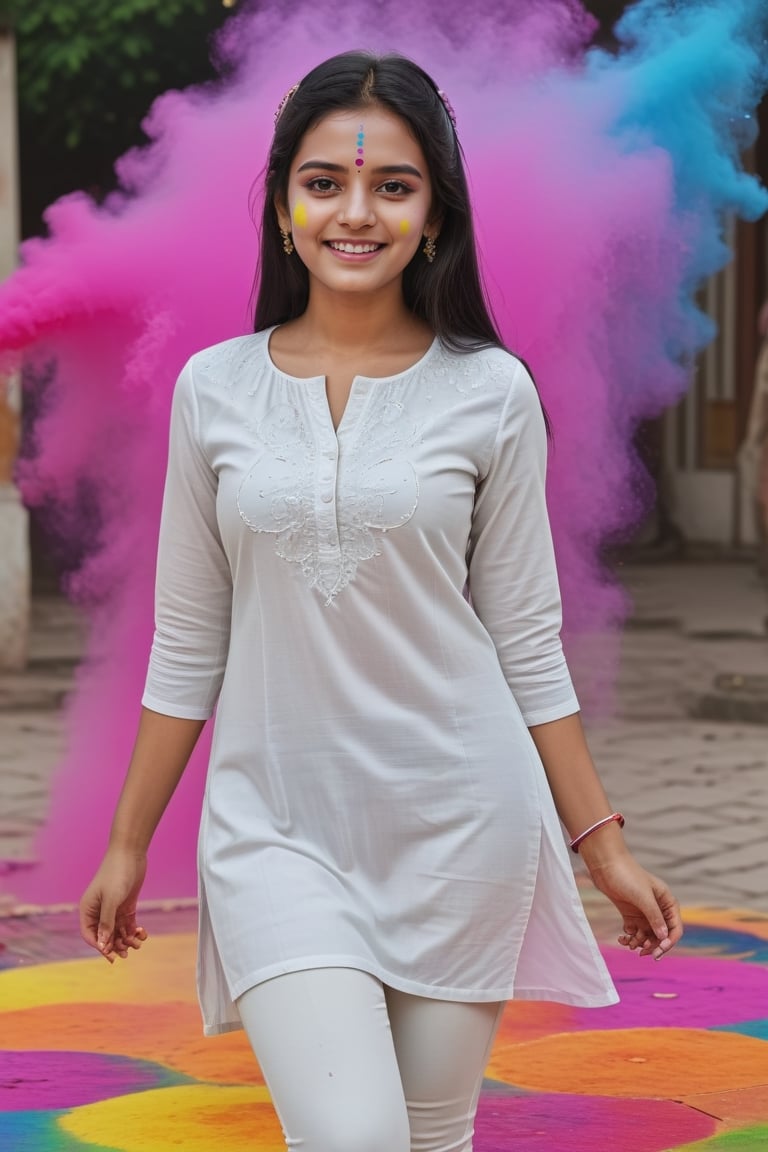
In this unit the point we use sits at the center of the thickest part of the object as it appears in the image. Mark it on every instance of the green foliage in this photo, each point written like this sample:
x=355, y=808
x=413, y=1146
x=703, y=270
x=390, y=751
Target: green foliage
x=88, y=72
x=77, y=57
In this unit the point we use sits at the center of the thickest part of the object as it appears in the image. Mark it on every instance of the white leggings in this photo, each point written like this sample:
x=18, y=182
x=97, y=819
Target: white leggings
x=354, y=1066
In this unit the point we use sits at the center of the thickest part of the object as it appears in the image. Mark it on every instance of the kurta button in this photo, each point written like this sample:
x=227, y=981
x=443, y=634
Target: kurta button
x=327, y=497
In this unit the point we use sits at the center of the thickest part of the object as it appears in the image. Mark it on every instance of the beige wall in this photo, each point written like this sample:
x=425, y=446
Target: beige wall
x=14, y=537
x=9, y=232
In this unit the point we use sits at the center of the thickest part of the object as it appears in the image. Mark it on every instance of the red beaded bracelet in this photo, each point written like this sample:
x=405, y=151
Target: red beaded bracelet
x=594, y=827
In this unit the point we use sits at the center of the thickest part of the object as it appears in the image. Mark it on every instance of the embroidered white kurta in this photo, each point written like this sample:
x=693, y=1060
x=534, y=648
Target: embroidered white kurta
x=374, y=799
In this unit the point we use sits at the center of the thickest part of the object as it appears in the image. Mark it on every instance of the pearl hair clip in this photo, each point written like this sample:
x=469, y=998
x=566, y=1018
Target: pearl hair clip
x=448, y=106
x=289, y=94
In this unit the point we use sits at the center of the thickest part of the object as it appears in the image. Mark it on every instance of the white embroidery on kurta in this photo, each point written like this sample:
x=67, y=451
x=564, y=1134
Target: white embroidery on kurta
x=230, y=360
x=277, y=494
x=376, y=490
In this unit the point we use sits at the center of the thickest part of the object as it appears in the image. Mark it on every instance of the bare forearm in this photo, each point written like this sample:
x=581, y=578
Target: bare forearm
x=163, y=747
x=651, y=923
x=579, y=795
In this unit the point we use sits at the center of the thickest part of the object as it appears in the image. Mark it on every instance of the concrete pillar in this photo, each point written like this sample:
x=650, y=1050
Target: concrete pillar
x=14, y=534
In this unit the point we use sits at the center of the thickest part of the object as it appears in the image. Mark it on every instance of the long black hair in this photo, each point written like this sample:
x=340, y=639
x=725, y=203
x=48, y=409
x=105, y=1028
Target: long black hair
x=448, y=294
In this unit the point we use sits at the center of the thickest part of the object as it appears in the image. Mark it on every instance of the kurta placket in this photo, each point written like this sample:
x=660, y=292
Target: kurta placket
x=328, y=542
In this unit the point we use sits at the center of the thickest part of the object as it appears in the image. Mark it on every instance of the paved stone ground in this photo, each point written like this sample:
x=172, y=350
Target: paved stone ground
x=31, y=728
x=694, y=790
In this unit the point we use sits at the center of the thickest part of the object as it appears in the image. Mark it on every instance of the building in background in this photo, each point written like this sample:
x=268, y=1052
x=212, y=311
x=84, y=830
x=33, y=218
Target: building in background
x=705, y=496
x=692, y=450
x=14, y=535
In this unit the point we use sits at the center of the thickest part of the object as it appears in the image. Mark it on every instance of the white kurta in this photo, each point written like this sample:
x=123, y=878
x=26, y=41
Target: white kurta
x=374, y=798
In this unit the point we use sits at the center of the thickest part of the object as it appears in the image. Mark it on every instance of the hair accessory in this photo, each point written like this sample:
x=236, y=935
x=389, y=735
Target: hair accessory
x=614, y=816
x=292, y=92
x=287, y=242
x=448, y=106
x=430, y=248
x=288, y=96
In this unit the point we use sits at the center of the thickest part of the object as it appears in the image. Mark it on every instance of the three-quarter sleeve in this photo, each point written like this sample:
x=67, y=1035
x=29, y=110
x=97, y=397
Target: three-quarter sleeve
x=193, y=589
x=513, y=581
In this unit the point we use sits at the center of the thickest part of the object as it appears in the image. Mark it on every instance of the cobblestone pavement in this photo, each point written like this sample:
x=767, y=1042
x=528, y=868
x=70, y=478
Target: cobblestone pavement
x=694, y=790
x=32, y=735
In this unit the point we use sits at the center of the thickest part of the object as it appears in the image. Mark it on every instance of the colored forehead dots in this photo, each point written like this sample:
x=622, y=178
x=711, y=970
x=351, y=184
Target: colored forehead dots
x=360, y=138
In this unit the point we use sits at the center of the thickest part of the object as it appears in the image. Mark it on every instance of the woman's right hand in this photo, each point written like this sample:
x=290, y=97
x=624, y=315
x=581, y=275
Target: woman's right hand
x=108, y=907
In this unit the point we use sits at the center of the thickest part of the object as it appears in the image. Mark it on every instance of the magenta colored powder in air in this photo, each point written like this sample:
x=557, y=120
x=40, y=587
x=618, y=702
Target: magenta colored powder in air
x=592, y=243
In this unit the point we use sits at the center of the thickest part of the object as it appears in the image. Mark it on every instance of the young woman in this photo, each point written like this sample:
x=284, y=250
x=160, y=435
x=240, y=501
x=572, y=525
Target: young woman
x=381, y=861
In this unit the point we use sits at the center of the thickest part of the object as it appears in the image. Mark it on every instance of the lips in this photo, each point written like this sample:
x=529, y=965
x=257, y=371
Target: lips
x=353, y=249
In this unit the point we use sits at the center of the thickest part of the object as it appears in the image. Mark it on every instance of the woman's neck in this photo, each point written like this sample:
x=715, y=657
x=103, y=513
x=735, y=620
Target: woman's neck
x=349, y=321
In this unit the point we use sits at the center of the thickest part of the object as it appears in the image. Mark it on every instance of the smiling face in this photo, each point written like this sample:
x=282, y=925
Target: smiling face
x=359, y=201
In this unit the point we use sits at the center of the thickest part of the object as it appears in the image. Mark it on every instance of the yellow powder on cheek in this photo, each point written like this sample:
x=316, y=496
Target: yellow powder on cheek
x=405, y=227
x=300, y=215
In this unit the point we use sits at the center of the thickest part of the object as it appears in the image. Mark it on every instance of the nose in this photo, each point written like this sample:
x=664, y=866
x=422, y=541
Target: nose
x=356, y=210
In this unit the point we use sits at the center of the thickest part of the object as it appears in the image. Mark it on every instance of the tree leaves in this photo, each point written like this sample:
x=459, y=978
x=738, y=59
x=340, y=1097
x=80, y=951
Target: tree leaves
x=61, y=39
x=88, y=70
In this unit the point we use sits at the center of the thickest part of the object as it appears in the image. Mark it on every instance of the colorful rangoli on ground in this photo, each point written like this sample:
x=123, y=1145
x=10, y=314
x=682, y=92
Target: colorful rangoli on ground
x=96, y=1059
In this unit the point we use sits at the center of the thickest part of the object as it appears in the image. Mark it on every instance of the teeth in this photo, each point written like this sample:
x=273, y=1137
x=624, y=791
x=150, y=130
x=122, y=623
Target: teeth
x=354, y=248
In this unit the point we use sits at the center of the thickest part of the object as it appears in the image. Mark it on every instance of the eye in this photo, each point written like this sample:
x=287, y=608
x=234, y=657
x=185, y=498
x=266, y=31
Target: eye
x=394, y=188
x=322, y=184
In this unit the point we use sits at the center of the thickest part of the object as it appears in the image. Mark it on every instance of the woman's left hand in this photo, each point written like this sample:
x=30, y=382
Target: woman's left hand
x=651, y=914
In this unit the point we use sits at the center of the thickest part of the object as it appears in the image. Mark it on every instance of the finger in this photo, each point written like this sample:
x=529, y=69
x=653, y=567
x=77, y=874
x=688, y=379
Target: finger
x=629, y=936
x=125, y=939
x=89, y=929
x=89, y=926
x=655, y=921
x=105, y=935
x=643, y=939
x=672, y=916
x=669, y=908
x=120, y=944
x=133, y=942
x=89, y=917
x=659, y=948
x=675, y=934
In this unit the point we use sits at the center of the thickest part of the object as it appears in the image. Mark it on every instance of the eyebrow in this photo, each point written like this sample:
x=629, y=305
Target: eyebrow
x=382, y=170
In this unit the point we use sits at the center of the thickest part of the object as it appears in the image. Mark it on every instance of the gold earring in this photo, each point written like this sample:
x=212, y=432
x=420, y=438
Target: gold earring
x=287, y=242
x=430, y=248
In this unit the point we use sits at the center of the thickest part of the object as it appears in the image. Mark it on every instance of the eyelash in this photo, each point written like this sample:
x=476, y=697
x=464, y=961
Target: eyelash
x=403, y=189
